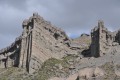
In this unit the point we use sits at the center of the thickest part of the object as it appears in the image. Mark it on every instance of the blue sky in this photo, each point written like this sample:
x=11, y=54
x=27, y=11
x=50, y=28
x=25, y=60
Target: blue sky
x=73, y=16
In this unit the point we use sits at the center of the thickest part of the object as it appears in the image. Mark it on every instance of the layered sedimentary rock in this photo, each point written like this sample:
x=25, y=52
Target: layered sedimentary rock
x=44, y=41
x=39, y=41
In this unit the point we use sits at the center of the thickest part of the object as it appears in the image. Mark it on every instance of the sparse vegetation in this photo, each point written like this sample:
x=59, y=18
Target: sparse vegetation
x=110, y=72
x=14, y=74
x=50, y=68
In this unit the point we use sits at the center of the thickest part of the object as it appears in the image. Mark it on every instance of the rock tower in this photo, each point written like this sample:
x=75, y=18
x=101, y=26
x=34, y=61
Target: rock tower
x=103, y=40
x=39, y=41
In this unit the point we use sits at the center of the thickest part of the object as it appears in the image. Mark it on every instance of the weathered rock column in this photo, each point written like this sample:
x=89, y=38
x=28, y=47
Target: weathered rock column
x=31, y=48
x=26, y=45
x=117, y=39
x=95, y=42
x=98, y=36
x=23, y=52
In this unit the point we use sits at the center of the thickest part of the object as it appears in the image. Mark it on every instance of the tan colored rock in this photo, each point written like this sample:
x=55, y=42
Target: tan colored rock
x=117, y=72
x=86, y=73
x=103, y=40
x=98, y=72
x=40, y=40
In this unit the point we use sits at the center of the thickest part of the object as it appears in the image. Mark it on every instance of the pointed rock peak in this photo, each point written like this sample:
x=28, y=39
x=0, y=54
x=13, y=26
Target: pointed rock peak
x=36, y=16
x=100, y=23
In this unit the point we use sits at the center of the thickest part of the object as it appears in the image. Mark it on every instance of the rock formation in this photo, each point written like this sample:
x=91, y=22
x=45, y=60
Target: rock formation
x=39, y=41
x=50, y=54
x=102, y=40
x=9, y=56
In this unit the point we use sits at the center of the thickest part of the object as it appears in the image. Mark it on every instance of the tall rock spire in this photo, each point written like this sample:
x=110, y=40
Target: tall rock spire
x=100, y=23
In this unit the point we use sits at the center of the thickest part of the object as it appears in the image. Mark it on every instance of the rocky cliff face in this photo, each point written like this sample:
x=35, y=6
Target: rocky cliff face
x=43, y=42
x=39, y=41
x=103, y=40
x=9, y=56
x=47, y=53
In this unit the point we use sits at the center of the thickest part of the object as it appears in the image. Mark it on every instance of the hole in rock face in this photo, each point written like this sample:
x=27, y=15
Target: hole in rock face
x=56, y=35
x=103, y=53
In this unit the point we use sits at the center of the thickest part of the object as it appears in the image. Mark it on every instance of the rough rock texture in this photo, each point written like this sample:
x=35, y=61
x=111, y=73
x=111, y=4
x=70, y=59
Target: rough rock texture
x=40, y=41
x=49, y=54
x=44, y=42
x=103, y=40
x=9, y=56
x=82, y=42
